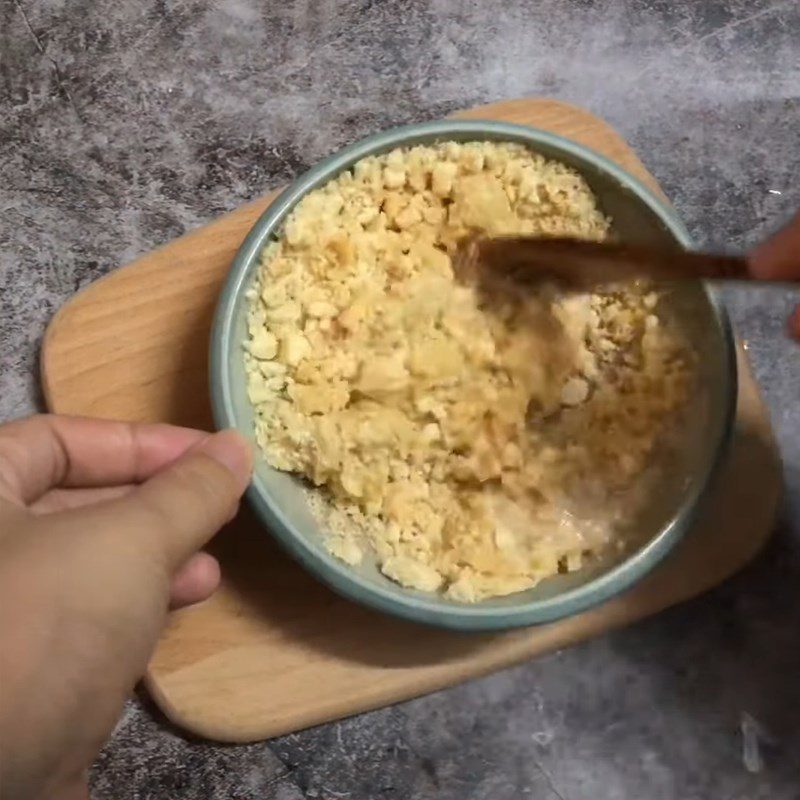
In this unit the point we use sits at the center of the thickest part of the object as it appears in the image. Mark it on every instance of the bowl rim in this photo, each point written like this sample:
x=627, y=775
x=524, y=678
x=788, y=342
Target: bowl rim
x=406, y=604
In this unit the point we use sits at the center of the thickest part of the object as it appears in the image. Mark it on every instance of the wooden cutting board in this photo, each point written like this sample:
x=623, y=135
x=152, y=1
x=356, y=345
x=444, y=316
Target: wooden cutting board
x=273, y=651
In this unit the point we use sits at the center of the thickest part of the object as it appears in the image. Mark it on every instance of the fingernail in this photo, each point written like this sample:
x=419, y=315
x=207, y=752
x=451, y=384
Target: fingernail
x=232, y=450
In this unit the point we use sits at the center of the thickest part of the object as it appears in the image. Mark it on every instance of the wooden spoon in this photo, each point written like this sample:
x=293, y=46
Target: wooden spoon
x=582, y=265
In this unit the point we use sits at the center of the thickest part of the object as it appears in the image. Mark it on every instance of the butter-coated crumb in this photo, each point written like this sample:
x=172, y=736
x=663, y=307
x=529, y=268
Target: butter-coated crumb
x=472, y=447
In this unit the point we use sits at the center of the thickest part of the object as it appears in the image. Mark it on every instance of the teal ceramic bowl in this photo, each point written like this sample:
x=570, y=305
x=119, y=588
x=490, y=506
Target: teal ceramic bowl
x=638, y=216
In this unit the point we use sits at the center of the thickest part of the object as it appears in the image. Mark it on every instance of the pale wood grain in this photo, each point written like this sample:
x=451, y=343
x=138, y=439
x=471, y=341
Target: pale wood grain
x=274, y=651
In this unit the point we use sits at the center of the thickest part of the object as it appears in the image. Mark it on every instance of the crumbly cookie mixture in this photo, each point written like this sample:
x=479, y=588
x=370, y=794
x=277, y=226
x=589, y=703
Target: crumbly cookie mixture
x=475, y=446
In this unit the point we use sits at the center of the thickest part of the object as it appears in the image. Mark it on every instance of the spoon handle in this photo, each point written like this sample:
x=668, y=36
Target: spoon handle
x=582, y=264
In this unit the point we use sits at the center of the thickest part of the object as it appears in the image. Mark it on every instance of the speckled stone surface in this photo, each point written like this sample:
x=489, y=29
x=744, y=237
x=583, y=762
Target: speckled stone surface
x=124, y=124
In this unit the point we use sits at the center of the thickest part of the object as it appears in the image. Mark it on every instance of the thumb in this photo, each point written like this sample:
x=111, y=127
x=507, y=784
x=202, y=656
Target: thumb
x=180, y=508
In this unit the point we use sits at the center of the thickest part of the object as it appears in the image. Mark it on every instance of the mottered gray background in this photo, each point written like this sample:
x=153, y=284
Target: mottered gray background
x=122, y=125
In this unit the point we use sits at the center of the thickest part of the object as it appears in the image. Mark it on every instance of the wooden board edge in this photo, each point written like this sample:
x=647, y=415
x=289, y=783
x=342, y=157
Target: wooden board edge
x=74, y=305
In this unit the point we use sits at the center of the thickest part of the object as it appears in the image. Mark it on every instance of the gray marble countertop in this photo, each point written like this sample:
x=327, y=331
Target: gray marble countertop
x=122, y=125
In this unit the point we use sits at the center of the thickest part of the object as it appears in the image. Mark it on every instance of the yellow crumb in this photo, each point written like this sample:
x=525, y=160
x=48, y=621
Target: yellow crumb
x=455, y=440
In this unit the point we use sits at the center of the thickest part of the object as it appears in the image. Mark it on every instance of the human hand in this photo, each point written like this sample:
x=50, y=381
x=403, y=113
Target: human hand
x=100, y=524
x=778, y=259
